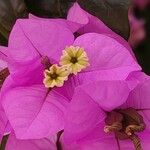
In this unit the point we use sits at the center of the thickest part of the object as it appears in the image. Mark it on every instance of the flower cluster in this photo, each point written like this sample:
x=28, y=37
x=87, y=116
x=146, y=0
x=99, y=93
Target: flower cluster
x=72, y=93
x=73, y=60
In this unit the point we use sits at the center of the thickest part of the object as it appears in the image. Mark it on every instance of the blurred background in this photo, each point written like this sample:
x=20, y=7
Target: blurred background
x=142, y=50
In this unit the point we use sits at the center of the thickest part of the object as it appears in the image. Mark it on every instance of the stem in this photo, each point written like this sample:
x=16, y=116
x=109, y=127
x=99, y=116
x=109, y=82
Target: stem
x=3, y=142
x=136, y=141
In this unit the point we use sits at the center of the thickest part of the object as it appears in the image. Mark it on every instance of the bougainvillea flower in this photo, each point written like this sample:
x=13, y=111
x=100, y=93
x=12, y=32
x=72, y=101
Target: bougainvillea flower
x=55, y=76
x=74, y=58
x=35, y=111
x=112, y=116
x=42, y=144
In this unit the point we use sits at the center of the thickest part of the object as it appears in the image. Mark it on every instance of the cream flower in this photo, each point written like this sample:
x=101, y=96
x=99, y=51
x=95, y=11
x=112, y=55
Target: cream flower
x=75, y=58
x=55, y=76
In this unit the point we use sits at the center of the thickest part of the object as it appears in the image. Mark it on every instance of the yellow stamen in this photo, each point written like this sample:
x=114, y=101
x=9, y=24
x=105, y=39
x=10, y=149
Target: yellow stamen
x=55, y=76
x=75, y=58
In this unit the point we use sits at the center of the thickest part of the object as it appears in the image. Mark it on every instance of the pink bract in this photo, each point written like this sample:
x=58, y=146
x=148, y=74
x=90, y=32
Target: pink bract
x=85, y=120
x=42, y=144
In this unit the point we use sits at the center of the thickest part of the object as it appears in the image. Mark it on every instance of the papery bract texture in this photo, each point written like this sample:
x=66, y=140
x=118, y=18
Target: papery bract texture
x=42, y=144
x=89, y=133
x=35, y=111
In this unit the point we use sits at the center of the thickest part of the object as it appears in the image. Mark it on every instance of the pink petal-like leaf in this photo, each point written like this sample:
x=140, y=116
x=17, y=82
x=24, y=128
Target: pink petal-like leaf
x=31, y=38
x=105, y=53
x=34, y=112
x=42, y=144
x=108, y=94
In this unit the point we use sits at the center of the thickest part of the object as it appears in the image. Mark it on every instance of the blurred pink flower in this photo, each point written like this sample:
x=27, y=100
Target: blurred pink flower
x=105, y=115
x=141, y=3
x=137, y=30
